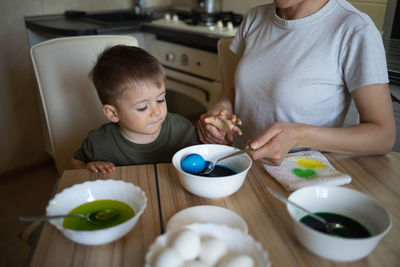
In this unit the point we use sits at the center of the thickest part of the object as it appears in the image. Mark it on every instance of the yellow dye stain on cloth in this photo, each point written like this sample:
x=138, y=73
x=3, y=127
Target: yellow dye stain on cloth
x=310, y=164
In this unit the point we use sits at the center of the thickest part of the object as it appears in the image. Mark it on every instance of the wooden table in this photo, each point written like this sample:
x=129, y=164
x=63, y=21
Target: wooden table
x=266, y=217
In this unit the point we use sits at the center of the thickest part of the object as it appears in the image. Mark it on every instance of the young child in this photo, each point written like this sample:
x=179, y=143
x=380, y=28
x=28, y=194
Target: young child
x=130, y=84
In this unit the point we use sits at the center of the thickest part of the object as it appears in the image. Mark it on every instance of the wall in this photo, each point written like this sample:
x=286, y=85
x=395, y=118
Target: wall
x=20, y=136
x=240, y=6
x=374, y=8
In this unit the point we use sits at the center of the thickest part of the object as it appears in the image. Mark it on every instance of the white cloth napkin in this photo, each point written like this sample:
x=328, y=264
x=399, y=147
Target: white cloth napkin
x=306, y=168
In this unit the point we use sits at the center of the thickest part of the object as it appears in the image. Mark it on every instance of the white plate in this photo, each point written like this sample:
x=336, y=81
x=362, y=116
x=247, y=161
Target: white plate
x=207, y=214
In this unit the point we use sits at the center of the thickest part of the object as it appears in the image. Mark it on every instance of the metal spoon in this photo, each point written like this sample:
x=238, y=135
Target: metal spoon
x=210, y=165
x=330, y=227
x=96, y=217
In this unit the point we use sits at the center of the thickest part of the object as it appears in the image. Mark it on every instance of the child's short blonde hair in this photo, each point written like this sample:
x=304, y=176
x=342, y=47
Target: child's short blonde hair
x=121, y=67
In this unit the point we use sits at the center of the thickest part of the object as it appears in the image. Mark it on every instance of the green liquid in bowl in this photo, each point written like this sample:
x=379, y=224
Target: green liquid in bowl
x=81, y=224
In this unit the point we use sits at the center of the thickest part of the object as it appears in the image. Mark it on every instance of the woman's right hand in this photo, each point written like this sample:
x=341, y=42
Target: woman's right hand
x=209, y=134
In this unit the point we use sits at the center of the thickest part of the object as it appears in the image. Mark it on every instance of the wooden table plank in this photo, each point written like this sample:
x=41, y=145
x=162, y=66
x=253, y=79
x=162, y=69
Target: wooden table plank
x=53, y=249
x=269, y=221
x=245, y=203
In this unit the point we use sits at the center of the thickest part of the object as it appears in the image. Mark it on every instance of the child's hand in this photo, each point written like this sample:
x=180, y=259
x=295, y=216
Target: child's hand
x=101, y=166
x=225, y=122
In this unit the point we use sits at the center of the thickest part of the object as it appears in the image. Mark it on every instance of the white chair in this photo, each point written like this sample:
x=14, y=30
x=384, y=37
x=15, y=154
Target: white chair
x=227, y=61
x=70, y=104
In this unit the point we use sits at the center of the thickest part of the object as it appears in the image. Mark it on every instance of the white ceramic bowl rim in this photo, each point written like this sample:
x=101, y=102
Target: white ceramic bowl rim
x=178, y=167
x=138, y=213
x=373, y=235
x=207, y=214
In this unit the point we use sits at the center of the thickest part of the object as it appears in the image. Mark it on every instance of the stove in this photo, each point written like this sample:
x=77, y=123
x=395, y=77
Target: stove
x=186, y=45
x=217, y=24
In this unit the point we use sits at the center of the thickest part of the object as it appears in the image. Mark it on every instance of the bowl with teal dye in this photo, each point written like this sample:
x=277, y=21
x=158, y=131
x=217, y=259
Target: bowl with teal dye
x=125, y=198
x=365, y=222
x=213, y=186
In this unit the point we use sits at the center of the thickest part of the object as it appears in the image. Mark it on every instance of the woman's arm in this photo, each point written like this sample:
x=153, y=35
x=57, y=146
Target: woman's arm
x=375, y=134
x=209, y=133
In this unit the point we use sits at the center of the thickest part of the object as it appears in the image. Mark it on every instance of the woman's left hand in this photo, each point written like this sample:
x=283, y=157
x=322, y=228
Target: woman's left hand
x=272, y=146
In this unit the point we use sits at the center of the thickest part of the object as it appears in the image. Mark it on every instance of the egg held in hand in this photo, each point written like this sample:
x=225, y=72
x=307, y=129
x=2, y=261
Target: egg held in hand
x=193, y=163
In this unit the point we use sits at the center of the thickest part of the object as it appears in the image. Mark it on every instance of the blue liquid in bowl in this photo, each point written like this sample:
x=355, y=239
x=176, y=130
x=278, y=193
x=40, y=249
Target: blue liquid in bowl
x=220, y=171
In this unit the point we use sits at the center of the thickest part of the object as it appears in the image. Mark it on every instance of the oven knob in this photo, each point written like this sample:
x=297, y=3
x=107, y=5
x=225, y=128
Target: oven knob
x=184, y=60
x=220, y=25
x=175, y=18
x=167, y=16
x=229, y=25
x=170, y=57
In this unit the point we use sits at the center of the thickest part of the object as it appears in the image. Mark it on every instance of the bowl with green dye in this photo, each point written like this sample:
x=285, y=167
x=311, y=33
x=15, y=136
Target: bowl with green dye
x=126, y=199
x=365, y=222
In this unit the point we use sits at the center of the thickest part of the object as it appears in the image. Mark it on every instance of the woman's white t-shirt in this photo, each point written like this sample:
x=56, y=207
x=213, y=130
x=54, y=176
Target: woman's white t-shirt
x=303, y=70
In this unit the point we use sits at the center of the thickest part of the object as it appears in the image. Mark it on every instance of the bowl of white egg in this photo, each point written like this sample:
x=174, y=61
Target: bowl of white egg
x=206, y=245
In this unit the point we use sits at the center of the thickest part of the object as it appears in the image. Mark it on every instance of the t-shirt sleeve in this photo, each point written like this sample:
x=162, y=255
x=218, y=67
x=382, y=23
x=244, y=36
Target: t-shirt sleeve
x=238, y=43
x=85, y=152
x=184, y=132
x=364, y=59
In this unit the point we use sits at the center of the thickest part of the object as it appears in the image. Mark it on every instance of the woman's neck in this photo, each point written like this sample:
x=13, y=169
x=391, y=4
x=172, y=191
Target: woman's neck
x=298, y=10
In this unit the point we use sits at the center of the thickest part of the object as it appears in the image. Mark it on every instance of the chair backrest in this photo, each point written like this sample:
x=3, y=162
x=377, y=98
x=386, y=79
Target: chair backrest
x=227, y=61
x=70, y=103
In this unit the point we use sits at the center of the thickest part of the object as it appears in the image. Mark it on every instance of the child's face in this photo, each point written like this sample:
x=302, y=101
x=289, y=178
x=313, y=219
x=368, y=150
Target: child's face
x=141, y=112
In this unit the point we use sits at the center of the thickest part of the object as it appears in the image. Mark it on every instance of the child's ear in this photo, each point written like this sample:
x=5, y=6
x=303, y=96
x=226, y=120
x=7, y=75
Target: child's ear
x=111, y=113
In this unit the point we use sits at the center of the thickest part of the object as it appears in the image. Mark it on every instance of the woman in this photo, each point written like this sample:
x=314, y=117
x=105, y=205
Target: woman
x=301, y=62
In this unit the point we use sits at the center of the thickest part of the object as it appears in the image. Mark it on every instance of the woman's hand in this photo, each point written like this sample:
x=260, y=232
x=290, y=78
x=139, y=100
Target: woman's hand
x=101, y=166
x=272, y=146
x=208, y=133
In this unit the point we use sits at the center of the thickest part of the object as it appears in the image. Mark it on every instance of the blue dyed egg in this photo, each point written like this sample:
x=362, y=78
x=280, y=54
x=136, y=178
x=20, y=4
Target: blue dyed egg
x=193, y=163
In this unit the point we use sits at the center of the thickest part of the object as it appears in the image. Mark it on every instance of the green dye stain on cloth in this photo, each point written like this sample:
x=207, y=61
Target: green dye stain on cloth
x=307, y=174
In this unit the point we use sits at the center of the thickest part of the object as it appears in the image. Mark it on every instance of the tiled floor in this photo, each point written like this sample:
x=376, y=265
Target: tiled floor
x=23, y=193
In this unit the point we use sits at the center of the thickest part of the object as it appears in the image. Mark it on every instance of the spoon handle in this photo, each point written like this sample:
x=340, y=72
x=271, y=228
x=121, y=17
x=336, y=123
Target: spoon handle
x=45, y=218
x=285, y=200
x=235, y=154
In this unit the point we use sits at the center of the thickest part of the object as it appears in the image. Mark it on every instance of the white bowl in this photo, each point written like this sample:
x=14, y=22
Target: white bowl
x=213, y=187
x=79, y=194
x=342, y=201
x=236, y=241
x=207, y=214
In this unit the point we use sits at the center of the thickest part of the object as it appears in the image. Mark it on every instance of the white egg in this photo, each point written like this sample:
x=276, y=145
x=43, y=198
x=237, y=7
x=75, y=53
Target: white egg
x=168, y=257
x=237, y=260
x=187, y=244
x=212, y=249
x=195, y=263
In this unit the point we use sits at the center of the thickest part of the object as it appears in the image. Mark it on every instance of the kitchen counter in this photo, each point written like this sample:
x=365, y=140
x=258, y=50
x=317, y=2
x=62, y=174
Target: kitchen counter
x=62, y=25
x=76, y=25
